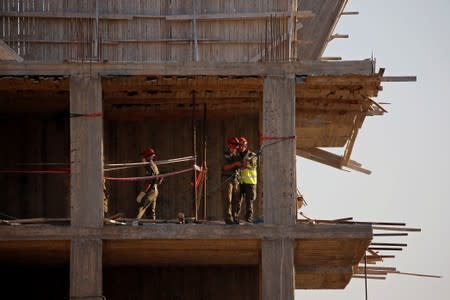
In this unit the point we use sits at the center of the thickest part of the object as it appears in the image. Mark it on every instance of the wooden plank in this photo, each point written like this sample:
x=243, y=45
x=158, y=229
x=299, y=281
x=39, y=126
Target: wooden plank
x=337, y=36
x=6, y=53
x=86, y=147
x=86, y=269
x=310, y=68
x=319, y=28
x=396, y=228
x=368, y=277
x=278, y=120
x=398, y=79
x=326, y=253
x=330, y=159
x=417, y=274
x=359, y=119
x=323, y=277
x=277, y=269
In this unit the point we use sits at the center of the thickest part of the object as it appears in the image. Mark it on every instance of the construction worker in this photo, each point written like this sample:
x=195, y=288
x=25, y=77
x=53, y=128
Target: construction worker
x=148, y=196
x=105, y=199
x=247, y=177
x=230, y=175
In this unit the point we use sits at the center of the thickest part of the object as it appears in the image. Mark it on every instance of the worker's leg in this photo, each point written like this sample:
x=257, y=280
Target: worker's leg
x=227, y=198
x=236, y=200
x=153, y=196
x=146, y=203
x=250, y=196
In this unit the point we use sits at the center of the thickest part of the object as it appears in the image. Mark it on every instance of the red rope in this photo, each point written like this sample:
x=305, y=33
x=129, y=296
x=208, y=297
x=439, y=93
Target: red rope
x=200, y=177
x=143, y=178
x=37, y=171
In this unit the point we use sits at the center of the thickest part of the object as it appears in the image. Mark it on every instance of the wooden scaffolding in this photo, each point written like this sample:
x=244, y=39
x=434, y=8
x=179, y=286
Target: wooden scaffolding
x=100, y=80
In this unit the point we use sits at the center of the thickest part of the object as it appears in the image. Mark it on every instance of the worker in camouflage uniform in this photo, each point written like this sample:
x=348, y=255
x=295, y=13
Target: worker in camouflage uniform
x=230, y=176
x=147, y=198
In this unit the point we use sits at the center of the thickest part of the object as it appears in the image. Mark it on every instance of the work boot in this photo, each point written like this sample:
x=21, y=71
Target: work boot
x=249, y=219
x=229, y=221
x=141, y=213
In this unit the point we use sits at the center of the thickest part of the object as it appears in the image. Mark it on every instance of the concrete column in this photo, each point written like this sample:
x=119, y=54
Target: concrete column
x=279, y=185
x=86, y=195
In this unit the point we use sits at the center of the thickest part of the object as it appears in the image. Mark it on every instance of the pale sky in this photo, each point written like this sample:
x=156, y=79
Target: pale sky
x=407, y=149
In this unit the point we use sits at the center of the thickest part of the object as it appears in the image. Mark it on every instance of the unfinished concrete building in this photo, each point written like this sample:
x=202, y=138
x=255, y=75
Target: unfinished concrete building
x=86, y=84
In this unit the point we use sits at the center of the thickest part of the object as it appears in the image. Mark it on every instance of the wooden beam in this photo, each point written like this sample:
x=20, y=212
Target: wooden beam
x=368, y=277
x=309, y=68
x=277, y=269
x=417, y=274
x=330, y=159
x=359, y=119
x=6, y=53
x=321, y=27
x=396, y=228
x=398, y=79
x=86, y=269
x=337, y=36
x=278, y=150
x=86, y=148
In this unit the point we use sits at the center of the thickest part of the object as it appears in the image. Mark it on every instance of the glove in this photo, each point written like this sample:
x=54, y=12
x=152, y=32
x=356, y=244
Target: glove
x=140, y=197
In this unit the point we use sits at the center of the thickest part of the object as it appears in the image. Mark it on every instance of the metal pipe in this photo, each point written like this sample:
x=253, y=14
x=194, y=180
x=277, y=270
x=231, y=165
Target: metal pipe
x=204, y=161
x=194, y=150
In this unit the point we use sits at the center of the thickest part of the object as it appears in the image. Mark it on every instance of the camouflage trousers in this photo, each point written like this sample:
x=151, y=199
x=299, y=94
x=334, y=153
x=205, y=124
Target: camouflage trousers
x=149, y=200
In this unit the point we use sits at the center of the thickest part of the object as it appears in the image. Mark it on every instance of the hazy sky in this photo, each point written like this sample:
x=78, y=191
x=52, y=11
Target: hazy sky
x=407, y=149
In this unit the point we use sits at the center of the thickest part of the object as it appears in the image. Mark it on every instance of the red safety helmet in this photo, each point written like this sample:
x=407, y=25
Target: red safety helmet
x=233, y=142
x=148, y=152
x=243, y=141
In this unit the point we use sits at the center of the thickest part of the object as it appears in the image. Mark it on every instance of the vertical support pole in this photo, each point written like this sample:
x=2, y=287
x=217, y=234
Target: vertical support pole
x=205, y=167
x=86, y=147
x=279, y=185
x=194, y=29
x=194, y=151
x=96, y=30
x=292, y=31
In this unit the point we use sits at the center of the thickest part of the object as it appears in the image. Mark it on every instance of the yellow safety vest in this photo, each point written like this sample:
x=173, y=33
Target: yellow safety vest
x=249, y=175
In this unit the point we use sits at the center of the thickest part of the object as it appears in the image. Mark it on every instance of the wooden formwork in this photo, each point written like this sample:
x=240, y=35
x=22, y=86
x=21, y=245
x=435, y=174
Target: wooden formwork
x=103, y=79
x=156, y=31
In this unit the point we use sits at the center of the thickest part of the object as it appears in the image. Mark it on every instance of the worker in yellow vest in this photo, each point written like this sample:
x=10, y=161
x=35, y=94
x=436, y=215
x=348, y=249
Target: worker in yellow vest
x=247, y=177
